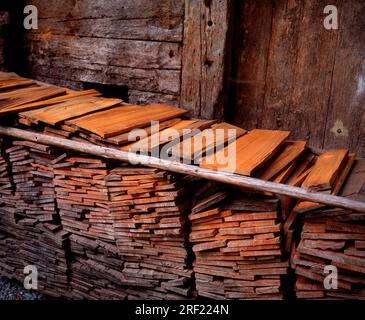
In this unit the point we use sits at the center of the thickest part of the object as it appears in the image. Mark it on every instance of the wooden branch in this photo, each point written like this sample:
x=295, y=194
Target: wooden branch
x=228, y=178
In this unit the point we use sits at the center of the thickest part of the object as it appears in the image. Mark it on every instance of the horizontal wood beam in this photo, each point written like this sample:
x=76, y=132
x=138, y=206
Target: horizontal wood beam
x=228, y=178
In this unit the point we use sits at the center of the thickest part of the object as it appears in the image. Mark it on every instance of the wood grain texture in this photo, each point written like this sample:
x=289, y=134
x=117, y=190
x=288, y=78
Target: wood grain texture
x=251, y=40
x=252, y=151
x=123, y=138
x=293, y=74
x=206, y=28
x=143, y=20
x=281, y=64
x=345, y=123
x=136, y=44
x=9, y=84
x=11, y=102
x=325, y=170
x=176, y=132
x=290, y=152
x=69, y=95
x=131, y=54
x=73, y=108
x=122, y=119
x=208, y=141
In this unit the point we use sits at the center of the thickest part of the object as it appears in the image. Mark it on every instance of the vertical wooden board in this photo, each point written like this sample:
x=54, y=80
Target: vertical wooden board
x=283, y=51
x=346, y=116
x=252, y=41
x=313, y=74
x=206, y=28
x=191, y=59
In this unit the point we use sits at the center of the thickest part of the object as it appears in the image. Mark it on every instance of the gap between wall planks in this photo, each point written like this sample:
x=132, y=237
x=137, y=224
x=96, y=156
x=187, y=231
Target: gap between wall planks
x=228, y=178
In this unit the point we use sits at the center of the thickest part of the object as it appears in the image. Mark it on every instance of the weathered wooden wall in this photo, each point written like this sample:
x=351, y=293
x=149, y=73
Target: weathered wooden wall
x=291, y=73
x=4, y=23
x=206, y=55
x=136, y=43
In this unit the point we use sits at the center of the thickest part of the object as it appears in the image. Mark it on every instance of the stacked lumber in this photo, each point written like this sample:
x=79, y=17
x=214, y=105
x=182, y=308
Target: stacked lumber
x=150, y=222
x=327, y=175
x=333, y=237
x=33, y=220
x=96, y=270
x=5, y=177
x=82, y=199
x=15, y=101
x=9, y=244
x=127, y=222
x=11, y=265
x=32, y=173
x=82, y=196
x=237, y=244
x=128, y=225
x=252, y=151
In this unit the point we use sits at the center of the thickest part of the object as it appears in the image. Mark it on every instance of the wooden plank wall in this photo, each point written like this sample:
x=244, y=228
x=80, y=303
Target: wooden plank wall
x=292, y=74
x=136, y=43
x=4, y=21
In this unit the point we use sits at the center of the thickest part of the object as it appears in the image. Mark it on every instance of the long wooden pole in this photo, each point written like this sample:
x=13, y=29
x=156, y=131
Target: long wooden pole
x=228, y=178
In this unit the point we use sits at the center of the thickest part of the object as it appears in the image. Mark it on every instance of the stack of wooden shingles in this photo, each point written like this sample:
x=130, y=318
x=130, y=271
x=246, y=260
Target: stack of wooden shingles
x=333, y=237
x=82, y=196
x=9, y=244
x=82, y=200
x=149, y=207
x=237, y=243
x=262, y=153
x=43, y=243
x=128, y=229
x=17, y=93
x=321, y=173
x=137, y=209
x=5, y=178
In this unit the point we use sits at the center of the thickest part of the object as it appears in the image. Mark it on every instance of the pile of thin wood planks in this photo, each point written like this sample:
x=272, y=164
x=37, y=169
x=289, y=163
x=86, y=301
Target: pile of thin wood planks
x=149, y=207
x=127, y=225
x=237, y=243
x=327, y=174
x=82, y=196
x=9, y=244
x=5, y=177
x=31, y=217
x=333, y=238
x=131, y=222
